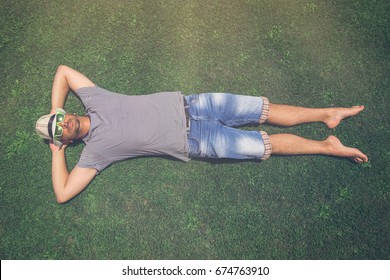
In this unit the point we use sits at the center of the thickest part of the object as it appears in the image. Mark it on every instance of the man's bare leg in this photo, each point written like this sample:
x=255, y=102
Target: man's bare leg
x=286, y=115
x=289, y=144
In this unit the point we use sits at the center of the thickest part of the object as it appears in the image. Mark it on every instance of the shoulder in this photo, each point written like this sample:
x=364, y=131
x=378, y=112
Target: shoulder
x=93, y=90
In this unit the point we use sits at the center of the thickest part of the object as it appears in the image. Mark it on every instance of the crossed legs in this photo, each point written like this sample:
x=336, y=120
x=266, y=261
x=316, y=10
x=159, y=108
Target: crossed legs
x=289, y=144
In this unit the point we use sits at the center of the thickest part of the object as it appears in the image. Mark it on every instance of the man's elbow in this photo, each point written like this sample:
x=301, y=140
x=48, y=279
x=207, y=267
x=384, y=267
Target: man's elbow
x=62, y=68
x=61, y=199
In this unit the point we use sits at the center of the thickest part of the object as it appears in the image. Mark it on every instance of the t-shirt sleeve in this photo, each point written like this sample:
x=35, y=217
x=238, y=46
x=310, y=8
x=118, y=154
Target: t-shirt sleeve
x=90, y=159
x=93, y=98
x=87, y=91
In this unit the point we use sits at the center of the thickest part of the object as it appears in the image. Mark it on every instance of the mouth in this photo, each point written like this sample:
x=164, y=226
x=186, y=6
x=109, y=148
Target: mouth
x=75, y=125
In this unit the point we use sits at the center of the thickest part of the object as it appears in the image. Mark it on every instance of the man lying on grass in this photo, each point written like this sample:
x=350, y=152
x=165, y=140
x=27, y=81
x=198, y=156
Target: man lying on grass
x=118, y=127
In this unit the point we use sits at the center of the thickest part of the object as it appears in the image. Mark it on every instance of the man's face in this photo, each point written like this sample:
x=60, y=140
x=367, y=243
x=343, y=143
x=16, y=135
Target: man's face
x=71, y=128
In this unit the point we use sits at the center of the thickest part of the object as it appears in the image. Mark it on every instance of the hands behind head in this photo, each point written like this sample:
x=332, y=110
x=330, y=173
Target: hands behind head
x=55, y=148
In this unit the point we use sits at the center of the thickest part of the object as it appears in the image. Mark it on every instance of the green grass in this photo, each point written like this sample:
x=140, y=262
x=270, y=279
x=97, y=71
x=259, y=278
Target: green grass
x=304, y=52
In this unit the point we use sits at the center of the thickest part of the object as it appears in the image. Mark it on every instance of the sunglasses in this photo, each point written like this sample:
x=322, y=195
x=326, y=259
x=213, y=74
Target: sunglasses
x=60, y=117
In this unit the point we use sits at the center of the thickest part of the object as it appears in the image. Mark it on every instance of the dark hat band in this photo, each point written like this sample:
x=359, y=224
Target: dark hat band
x=49, y=126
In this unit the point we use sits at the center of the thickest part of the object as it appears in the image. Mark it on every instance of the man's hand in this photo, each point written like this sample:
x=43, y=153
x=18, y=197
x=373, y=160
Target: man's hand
x=54, y=148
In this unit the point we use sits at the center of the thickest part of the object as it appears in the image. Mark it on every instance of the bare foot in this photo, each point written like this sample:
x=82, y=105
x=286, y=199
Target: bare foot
x=336, y=115
x=336, y=148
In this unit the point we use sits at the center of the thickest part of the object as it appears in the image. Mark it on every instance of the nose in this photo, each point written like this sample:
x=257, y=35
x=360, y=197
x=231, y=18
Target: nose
x=63, y=124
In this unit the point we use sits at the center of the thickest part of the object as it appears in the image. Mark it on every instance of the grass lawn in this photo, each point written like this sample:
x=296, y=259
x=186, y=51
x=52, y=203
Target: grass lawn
x=304, y=52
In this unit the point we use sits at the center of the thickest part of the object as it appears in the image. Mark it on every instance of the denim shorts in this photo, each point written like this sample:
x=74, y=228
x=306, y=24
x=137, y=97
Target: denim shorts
x=213, y=121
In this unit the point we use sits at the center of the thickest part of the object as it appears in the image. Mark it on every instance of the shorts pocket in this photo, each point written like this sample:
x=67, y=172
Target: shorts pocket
x=193, y=147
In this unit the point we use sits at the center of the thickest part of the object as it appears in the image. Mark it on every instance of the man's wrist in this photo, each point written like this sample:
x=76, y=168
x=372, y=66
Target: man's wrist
x=56, y=149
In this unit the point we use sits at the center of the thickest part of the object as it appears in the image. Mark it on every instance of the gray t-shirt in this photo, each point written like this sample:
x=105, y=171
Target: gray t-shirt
x=125, y=126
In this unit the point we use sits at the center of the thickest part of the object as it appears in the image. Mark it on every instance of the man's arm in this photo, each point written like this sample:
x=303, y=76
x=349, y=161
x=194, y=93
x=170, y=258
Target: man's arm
x=68, y=185
x=66, y=79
